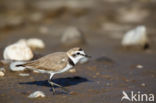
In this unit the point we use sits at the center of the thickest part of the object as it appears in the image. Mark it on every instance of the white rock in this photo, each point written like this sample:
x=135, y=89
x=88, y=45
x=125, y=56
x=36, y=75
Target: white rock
x=35, y=43
x=36, y=94
x=72, y=36
x=139, y=66
x=13, y=66
x=143, y=84
x=18, y=51
x=24, y=74
x=35, y=71
x=135, y=37
x=72, y=70
x=1, y=74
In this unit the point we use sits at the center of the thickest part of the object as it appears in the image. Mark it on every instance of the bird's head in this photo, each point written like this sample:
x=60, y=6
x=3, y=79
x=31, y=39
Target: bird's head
x=75, y=54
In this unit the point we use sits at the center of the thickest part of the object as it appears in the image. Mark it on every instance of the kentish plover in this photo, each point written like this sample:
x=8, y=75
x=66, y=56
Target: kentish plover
x=57, y=62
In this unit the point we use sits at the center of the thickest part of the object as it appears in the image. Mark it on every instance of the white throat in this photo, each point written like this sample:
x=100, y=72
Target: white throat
x=75, y=60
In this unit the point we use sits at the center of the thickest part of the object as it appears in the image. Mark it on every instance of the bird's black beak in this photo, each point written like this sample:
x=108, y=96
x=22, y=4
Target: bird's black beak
x=86, y=56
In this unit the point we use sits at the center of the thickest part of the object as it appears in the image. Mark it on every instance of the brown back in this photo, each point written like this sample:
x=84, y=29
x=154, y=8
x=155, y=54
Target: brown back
x=52, y=62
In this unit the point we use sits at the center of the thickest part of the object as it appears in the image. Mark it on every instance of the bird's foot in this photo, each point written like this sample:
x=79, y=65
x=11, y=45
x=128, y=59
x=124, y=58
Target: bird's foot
x=54, y=84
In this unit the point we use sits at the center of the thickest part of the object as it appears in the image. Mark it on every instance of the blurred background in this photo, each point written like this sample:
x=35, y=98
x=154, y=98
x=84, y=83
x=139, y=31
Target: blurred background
x=98, y=26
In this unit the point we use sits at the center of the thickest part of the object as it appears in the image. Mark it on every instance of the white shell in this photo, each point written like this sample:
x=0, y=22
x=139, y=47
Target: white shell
x=13, y=66
x=18, y=51
x=1, y=74
x=73, y=70
x=36, y=94
x=136, y=36
x=35, y=43
x=24, y=74
x=139, y=66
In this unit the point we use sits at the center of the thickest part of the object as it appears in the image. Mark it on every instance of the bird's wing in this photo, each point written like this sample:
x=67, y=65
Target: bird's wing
x=52, y=62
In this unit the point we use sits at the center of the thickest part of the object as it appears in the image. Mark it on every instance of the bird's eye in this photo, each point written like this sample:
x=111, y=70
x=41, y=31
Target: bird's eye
x=78, y=53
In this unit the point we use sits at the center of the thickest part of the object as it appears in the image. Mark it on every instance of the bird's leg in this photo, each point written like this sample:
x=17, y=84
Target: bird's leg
x=52, y=85
x=60, y=87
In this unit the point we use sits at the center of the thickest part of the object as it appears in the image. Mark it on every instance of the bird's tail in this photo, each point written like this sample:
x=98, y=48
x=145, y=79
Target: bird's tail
x=17, y=66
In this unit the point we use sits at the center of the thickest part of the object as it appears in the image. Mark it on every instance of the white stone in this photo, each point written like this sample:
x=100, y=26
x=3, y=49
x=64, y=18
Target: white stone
x=139, y=66
x=13, y=66
x=24, y=74
x=18, y=51
x=36, y=94
x=143, y=84
x=135, y=37
x=73, y=70
x=71, y=36
x=35, y=43
x=1, y=74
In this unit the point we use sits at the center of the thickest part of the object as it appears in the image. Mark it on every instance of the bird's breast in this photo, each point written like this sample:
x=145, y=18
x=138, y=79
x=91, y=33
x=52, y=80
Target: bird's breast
x=66, y=68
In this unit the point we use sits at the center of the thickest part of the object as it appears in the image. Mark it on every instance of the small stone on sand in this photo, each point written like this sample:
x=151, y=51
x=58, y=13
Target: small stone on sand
x=1, y=74
x=143, y=84
x=24, y=74
x=36, y=94
x=72, y=70
x=139, y=66
x=35, y=43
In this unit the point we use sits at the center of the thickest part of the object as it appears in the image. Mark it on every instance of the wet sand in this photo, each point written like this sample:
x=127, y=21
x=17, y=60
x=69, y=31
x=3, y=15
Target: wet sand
x=111, y=69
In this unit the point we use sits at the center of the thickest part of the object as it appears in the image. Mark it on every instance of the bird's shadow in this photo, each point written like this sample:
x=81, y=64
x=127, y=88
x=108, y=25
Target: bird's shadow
x=68, y=81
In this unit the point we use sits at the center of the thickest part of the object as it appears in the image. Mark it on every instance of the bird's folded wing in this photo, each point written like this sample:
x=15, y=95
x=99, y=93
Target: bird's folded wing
x=52, y=62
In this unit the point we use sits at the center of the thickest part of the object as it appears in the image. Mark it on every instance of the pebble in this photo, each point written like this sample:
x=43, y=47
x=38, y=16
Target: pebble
x=73, y=93
x=36, y=94
x=18, y=51
x=13, y=66
x=72, y=36
x=143, y=84
x=22, y=49
x=35, y=43
x=139, y=66
x=1, y=74
x=72, y=70
x=135, y=37
x=24, y=74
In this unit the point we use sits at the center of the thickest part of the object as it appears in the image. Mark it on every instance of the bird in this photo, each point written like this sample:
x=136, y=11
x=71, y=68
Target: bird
x=55, y=63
